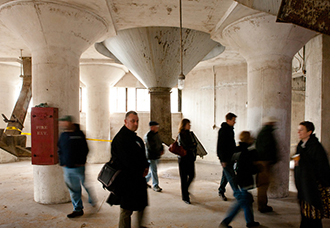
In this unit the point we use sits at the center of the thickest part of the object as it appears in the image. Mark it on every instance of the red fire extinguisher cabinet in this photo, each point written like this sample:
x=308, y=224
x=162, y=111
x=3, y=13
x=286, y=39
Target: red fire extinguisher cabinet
x=44, y=135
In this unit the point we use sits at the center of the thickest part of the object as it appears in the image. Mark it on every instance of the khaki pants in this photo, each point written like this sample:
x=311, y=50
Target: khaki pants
x=125, y=218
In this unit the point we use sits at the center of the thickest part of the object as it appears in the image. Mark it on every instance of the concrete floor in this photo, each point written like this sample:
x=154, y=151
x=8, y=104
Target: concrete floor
x=166, y=209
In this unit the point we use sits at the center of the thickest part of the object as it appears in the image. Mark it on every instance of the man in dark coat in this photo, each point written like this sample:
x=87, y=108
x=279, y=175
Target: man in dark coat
x=72, y=151
x=266, y=146
x=225, y=149
x=155, y=150
x=128, y=155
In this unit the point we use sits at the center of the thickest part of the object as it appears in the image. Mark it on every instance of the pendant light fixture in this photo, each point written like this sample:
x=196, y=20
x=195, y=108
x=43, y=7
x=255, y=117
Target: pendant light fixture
x=181, y=77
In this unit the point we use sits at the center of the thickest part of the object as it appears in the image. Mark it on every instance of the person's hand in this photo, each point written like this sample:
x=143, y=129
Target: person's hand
x=146, y=171
x=296, y=159
x=224, y=164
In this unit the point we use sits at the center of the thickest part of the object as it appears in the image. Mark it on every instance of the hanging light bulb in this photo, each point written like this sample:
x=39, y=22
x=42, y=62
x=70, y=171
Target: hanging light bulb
x=181, y=77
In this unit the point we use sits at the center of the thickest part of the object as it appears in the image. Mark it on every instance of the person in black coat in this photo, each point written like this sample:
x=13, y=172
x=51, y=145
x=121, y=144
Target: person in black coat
x=226, y=147
x=244, y=172
x=311, y=172
x=187, y=140
x=128, y=155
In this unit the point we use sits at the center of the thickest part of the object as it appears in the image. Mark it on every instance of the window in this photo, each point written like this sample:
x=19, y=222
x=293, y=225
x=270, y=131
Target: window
x=174, y=100
x=80, y=99
x=131, y=98
x=143, y=100
x=117, y=99
x=136, y=99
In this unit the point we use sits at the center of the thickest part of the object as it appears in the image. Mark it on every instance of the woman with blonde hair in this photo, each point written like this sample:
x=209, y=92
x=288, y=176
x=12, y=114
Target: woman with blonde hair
x=187, y=140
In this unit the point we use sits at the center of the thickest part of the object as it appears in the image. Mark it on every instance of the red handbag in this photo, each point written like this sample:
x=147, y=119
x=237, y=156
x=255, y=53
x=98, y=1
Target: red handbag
x=176, y=149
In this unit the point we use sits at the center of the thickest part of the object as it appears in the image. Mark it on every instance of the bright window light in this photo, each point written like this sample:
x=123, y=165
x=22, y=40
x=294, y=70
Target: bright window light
x=126, y=99
x=131, y=97
x=174, y=100
x=143, y=100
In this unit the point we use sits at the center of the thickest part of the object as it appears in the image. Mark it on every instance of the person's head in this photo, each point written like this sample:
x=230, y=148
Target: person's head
x=154, y=126
x=305, y=129
x=184, y=125
x=131, y=120
x=245, y=137
x=66, y=123
x=269, y=120
x=231, y=119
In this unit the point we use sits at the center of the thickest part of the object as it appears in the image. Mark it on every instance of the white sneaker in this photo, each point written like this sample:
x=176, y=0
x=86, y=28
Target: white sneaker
x=157, y=189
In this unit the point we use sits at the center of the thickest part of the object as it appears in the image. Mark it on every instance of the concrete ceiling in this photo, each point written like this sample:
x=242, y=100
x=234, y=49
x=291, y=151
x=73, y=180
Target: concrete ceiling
x=205, y=15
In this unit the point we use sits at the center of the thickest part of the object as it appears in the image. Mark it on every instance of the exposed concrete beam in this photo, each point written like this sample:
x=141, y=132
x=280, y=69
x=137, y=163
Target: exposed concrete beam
x=225, y=16
x=113, y=28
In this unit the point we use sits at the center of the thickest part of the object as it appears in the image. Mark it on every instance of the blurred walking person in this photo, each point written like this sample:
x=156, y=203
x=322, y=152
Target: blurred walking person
x=266, y=146
x=72, y=151
x=244, y=172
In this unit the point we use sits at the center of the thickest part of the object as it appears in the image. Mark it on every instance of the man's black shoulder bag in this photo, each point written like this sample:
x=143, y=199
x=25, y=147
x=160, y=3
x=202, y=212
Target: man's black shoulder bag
x=108, y=176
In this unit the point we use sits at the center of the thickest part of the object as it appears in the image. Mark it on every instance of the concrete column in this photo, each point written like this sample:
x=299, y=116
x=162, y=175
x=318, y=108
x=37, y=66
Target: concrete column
x=98, y=79
x=9, y=83
x=57, y=34
x=160, y=111
x=268, y=48
x=317, y=103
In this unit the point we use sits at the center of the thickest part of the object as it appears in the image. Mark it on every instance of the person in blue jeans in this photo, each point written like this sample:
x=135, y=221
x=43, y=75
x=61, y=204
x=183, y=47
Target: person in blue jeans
x=72, y=151
x=226, y=147
x=154, y=150
x=241, y=180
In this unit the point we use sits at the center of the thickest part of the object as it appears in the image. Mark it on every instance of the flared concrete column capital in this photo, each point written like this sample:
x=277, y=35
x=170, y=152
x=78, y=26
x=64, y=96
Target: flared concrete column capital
x=258, y=35
x=101, y=74
x=152, y=53
x=159, y=90
x=45, y=24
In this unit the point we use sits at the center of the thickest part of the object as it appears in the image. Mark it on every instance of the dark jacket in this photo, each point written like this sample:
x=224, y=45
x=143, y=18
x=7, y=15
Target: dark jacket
x=245, y=168
x=72, y=148
x=154, y=145
x=226, y=143
x=128, y=155
x=187, y=140
x=266, y=144
x=313, y=169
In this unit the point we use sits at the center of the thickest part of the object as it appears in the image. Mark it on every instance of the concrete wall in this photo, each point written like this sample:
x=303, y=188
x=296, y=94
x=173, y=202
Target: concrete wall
x=298, y=109
x=231, y=96
x=318, y=87
x=206, y=105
